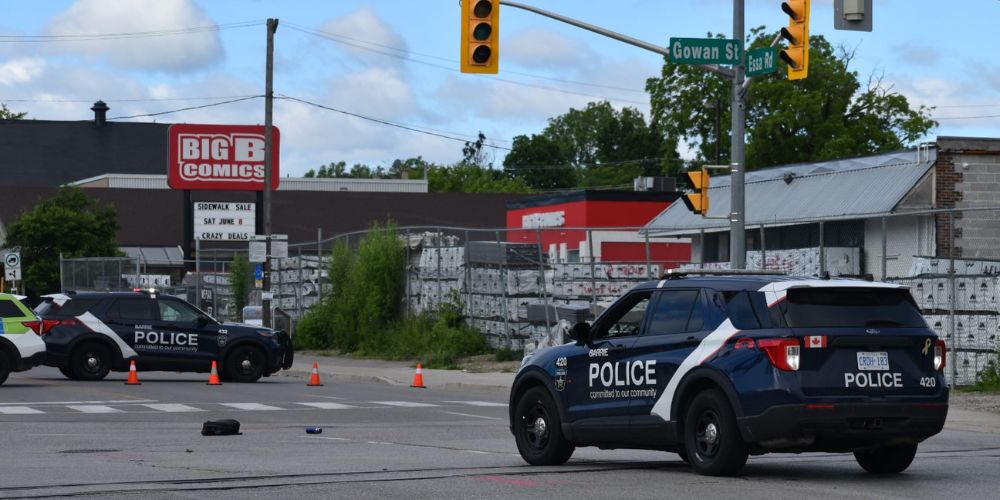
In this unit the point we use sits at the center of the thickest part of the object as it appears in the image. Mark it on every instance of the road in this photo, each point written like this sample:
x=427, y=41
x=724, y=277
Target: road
x=107, y=439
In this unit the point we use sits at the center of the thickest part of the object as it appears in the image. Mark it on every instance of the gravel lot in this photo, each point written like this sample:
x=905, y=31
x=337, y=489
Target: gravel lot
x=979, y=401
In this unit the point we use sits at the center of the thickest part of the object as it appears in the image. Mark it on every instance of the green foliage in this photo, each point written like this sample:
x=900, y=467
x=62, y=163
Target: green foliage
x=68, y=223
x=989, y=378
x=240, y=276
x=361, y=314
x=602, y=145
x=472, y=178
x=505, y=354
x=7, y=114
x=830, y=114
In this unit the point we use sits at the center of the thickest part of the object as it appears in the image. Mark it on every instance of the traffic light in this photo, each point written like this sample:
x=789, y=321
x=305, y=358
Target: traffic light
x=697, y=201
x=480, y=36
x=797, y=34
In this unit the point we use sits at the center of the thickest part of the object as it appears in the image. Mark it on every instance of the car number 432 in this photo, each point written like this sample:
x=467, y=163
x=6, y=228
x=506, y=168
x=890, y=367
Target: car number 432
x=928, y=382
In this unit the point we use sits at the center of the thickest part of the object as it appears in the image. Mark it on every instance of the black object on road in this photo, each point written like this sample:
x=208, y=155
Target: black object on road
x=225, y=427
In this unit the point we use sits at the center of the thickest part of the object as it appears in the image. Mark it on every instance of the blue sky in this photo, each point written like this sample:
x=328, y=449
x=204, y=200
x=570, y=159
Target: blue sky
x=397, y=60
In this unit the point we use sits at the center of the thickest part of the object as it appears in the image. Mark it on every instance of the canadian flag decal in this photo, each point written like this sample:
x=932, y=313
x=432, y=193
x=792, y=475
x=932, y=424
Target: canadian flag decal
x=816, y=341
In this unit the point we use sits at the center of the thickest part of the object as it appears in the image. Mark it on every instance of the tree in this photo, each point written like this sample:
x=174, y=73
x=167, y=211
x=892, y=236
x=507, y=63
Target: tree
x=239, y=277
x=604, y=145
x=68, y=223
x=7, y=114
x=470, y=178
x=541, y=162
x=828, y=115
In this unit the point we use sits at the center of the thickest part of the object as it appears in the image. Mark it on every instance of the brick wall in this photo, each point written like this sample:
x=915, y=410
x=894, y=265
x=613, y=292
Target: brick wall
x=968, y=176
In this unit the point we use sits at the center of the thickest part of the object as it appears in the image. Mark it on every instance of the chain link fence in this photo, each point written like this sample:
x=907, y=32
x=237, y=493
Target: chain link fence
x=523, y=287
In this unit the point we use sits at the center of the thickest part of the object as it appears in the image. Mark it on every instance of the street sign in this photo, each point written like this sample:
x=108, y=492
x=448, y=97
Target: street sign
x=13, y=274
x=762, y=61
x=12, y=260
x=705, y=51
x=258, y=251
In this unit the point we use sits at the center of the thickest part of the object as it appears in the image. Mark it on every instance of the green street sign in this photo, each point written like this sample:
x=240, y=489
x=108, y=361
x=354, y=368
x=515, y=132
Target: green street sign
x=705, y=51
x=762, y=61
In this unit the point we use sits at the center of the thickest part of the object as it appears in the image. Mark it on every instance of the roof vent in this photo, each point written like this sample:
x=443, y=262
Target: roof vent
x=789, y=177
x=100, y=110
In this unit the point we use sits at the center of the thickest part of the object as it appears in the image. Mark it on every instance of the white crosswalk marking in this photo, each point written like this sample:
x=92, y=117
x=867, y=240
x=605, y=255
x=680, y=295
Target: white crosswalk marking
x=404, y=404
x=324, y=405
x=477, y=403
x=94, y=409
x=251, y=406
x=173, y=407
x=19, y=410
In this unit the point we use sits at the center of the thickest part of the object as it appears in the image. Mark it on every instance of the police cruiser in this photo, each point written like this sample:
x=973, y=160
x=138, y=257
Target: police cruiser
x=88, y=334
x=716, y=368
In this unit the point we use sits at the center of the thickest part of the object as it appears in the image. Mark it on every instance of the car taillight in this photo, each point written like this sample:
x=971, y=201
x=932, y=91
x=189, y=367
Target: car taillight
x=46, y=325
x=783, y=353
x=939, y=355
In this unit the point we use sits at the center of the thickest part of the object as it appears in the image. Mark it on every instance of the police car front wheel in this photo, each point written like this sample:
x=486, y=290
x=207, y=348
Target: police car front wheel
x=712, y=441
x=90, y=361
x=245, y=364
x=888, y=459
x=4, y=366
x=538, y=431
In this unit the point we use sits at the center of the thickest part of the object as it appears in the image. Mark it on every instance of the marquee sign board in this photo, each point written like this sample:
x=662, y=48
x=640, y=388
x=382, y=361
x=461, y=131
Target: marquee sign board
x=224, y=221
x=221, y=157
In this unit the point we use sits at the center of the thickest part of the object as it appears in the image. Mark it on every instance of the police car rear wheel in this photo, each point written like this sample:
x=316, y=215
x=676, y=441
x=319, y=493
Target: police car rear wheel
x=537, y=430
x=91, y=361
x=245, y=364
x=4, y=366
x=65, y=370
x=713, y=443
x=888, y=459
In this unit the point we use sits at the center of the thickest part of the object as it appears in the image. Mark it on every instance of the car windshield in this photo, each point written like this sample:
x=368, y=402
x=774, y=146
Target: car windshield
x=851, y=307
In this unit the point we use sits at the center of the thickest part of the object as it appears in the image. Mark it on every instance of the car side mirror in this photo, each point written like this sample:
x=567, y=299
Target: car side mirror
x=580, y=333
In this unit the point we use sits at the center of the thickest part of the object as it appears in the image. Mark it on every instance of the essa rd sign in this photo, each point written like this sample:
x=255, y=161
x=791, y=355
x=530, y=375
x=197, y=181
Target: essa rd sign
x=221, y=157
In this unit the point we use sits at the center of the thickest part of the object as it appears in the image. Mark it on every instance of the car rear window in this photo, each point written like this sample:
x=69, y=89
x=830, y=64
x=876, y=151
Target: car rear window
x=73, y=307
x=851, y=307
x=8, y=309
x=748, y=310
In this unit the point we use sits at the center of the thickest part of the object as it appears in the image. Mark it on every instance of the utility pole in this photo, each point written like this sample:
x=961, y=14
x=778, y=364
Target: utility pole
x=737, y=216
x=272, y=27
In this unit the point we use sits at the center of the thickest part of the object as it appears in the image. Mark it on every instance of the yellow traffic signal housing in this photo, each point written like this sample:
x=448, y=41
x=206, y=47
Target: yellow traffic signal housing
x=480, y=36
x=797, y=35
x=697, y=201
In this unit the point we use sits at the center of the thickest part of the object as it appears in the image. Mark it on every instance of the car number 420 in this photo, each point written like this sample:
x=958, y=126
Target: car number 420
x=928, y=382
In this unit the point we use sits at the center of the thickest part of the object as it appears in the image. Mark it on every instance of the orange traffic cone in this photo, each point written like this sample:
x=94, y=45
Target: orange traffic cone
x=314, y=379
x=213, y=378
x=418, y=378
x=133, y=376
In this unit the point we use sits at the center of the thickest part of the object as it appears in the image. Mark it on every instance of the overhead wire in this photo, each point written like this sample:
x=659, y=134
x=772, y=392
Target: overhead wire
x=88, y=37
x=188, y=108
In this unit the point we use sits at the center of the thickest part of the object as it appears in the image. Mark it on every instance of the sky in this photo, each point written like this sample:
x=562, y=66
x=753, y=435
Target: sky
x=396, y=61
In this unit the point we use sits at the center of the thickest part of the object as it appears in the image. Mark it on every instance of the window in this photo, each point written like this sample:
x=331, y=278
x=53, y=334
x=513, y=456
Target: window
x=748, y=310
x=8, y=309
x=851, y=307
x=71, y=308
x=177, y=312
x=677, y=311
x=625, y=319
x=137, y=309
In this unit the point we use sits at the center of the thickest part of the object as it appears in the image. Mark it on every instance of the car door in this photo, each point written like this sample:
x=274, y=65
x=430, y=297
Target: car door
x=678, y=320
x=598, y=380
x=187, y=336
x=132, y=319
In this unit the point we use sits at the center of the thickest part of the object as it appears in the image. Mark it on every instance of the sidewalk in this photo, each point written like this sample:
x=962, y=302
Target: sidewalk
x=400, y=373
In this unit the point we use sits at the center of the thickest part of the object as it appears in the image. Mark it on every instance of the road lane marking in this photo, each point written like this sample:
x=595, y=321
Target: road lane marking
x=470, y=415
x=94, y=409
x=173, y=407
x=329, y=438
x=477, y=403
x=404, y=404
x=110, y=402
x=19, y=410
x=323, y=405
x=251, y=406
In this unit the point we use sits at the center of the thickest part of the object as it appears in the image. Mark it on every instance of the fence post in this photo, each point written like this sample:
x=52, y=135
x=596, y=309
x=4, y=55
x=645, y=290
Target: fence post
x=885, y=261
x=215, y=284
x=62, y=274
x=197, y=272
x=503, y=290
x=541, y=277
x=440, y=296
x=822, y=248
x=298, y=289
x=319, y=265
x=406, y=275
x=593, y=273
x=468, y=281
x=649, y=264
x=763, y=249
x=951, y=299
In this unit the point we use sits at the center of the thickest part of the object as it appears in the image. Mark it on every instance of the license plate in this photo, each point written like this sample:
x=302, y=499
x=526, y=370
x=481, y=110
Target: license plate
x=873, y=361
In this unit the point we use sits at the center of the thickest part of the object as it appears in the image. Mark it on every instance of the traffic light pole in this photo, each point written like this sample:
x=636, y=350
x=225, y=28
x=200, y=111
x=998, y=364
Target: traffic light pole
x=272, y=27
x=737, y=75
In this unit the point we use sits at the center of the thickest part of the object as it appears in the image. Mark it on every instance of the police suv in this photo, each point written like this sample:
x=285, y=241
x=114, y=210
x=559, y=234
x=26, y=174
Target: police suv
x=88, y=334
x=719, y=367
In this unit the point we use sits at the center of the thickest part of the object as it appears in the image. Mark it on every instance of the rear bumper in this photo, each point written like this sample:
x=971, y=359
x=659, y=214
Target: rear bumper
x=842, y=427
x=30, y=362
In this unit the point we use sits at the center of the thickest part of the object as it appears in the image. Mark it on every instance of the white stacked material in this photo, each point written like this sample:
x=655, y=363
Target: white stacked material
x=441, y=262
x=937, y=265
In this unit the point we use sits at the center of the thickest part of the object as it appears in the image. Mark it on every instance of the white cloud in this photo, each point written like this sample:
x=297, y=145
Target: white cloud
x=364, y=35
x=182, y=52
x=20, y=71
x=541, y=48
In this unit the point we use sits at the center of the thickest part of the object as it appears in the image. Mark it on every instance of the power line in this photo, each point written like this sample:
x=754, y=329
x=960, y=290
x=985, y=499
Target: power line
x=88, y=37
x=389, y=123
x=965, y=117
x=145, y=99
x=189, y=108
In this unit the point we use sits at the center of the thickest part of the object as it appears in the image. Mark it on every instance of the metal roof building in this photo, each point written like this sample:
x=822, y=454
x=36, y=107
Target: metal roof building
x=142, y=181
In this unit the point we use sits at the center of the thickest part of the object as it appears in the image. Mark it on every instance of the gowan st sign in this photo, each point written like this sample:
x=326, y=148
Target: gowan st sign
x=223, y=157
x=224, y=221
x=705, y=51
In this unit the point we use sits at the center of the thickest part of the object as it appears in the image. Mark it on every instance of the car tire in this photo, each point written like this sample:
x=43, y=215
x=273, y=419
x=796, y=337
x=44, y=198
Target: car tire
x=90, y=361
x=68, y=372
x=538, y=429
x=888, y=459
x=5, y=366
x=711, y=438
x=245, y=364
